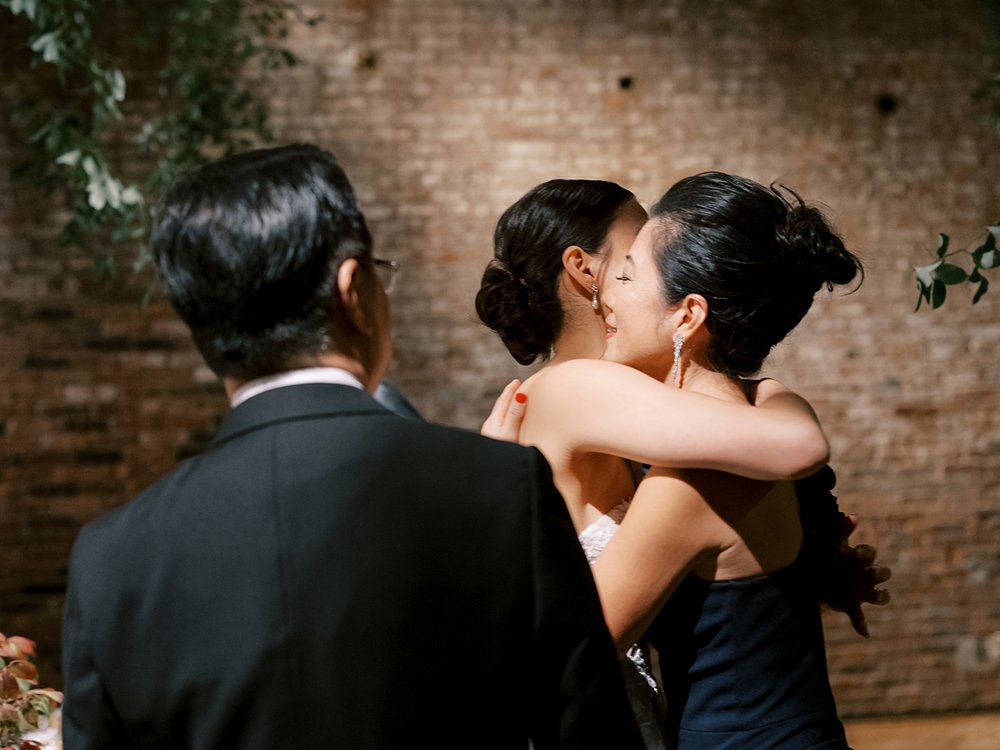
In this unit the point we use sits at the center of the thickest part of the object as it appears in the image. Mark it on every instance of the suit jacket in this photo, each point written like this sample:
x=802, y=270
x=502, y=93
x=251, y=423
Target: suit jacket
x=395, y=400
x=328, y=574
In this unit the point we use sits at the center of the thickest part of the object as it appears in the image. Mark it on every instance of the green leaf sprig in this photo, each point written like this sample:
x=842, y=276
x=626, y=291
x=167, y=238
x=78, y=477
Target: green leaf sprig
x=934, y=279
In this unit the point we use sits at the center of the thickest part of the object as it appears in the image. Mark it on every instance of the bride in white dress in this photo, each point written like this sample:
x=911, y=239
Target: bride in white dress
x=644, y=693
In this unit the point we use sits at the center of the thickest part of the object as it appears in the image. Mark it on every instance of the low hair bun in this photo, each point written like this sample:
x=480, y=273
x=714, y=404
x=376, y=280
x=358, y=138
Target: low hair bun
x=519, y=297
x=524, y=320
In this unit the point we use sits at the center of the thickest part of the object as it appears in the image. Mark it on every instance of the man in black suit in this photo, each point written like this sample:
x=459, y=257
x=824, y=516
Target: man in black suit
x=326, y=574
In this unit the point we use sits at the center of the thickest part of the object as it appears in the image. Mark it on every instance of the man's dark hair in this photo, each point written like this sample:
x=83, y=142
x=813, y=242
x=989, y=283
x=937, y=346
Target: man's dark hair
x=248, y=249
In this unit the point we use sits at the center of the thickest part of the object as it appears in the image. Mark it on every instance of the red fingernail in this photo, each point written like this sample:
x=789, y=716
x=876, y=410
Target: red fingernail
x=520, y=398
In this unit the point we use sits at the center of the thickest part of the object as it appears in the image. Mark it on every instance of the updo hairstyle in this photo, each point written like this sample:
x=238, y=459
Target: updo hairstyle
x=757, y=255
x=519, y=294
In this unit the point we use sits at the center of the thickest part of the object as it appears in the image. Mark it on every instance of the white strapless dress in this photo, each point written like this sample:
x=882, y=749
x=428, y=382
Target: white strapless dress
x=644, y=692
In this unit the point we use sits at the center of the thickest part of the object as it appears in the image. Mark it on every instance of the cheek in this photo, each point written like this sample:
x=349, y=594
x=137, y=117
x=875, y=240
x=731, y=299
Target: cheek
x=652, y=323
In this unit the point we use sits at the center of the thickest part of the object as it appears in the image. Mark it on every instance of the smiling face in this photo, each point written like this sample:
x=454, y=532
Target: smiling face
x=583, y=326
x=641, y=323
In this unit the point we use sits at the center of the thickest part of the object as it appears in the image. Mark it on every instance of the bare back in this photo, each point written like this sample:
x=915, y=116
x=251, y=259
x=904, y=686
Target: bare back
x=753, y=526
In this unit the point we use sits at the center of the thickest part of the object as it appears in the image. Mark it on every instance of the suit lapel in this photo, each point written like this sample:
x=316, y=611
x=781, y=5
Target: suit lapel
x=295, y=402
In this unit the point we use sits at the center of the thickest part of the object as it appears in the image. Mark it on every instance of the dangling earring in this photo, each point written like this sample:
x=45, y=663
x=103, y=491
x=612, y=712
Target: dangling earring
x=675, y=371
x=594, y=303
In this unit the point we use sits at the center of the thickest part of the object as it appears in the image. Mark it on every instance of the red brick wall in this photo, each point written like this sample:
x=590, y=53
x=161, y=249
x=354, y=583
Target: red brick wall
x=444, y=112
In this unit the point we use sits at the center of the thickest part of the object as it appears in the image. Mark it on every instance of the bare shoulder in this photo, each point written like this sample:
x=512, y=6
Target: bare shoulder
x=759, y=390
x=577, y=375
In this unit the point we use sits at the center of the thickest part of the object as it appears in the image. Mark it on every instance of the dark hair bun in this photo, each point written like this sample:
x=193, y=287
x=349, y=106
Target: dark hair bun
x=519, y=296
x=525, y=321
x=757, y=255
x=814, y=250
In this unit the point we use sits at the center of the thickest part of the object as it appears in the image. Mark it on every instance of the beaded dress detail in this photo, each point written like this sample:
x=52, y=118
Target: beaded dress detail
x=643, y=691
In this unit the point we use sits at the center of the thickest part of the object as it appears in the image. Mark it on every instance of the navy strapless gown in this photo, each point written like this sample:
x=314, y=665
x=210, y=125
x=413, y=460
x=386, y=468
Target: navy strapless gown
x=744, y=665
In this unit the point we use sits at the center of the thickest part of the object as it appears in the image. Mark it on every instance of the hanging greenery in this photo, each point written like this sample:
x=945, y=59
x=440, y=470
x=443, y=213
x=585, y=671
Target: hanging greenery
x=934, y=279
x=200, y=61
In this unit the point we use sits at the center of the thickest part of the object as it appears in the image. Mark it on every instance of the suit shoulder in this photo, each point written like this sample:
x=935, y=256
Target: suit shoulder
x=445, y=438
x=109, y=533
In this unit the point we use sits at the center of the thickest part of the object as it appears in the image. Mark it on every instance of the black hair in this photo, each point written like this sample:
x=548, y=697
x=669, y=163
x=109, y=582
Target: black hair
x=757, y=255
x=519, y=294
x=248, y=249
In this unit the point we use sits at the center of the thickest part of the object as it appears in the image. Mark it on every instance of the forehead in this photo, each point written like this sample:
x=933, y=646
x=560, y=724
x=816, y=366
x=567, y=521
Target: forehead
x=623, y=231
x=640, y=246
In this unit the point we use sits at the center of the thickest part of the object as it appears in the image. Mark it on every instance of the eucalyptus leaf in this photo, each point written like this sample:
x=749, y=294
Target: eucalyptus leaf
x=925, y=274
x=90, y=167
x=69, y=158
x=985, y=257
x=117, y=85
x=922, y=293
x=984, y=284
x=28, y=7
x=131, y=196
x=949, y=273
x=97, y=199
x=938, y=293
x=47, y=45
x=113, y=191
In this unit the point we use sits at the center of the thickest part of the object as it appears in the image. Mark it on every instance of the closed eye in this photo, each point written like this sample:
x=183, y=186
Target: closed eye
x=623, y=278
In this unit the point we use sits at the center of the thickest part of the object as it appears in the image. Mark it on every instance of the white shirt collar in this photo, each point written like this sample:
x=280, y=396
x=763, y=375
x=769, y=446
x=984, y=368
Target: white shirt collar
x=293, y=377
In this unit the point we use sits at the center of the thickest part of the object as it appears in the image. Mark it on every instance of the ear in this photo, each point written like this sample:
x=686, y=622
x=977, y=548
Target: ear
x=581, y=266
x=352, y=292
x=692, y=313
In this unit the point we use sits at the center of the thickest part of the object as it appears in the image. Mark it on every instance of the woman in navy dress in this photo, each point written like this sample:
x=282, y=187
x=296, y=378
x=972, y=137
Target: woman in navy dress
x=724, y=270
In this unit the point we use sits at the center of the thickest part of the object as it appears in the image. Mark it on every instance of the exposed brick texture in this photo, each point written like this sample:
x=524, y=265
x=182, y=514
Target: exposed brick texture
x=444, y=112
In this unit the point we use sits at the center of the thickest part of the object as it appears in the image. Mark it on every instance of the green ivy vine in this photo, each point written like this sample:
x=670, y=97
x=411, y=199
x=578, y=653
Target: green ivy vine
x=204, y=59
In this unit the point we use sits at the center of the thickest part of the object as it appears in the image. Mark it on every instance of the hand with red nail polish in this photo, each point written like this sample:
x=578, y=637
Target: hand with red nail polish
x=504, y=421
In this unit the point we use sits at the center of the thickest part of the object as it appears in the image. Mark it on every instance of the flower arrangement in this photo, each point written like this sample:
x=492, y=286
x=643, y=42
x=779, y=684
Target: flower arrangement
x=24, y=707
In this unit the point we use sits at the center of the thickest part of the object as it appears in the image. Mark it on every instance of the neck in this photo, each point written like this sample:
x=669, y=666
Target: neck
x=582, y=335
x=325, y=359
x=697, y=378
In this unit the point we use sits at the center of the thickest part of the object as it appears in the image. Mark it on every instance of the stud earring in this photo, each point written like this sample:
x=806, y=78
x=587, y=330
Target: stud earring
x=594, y=303
x=675, y=371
